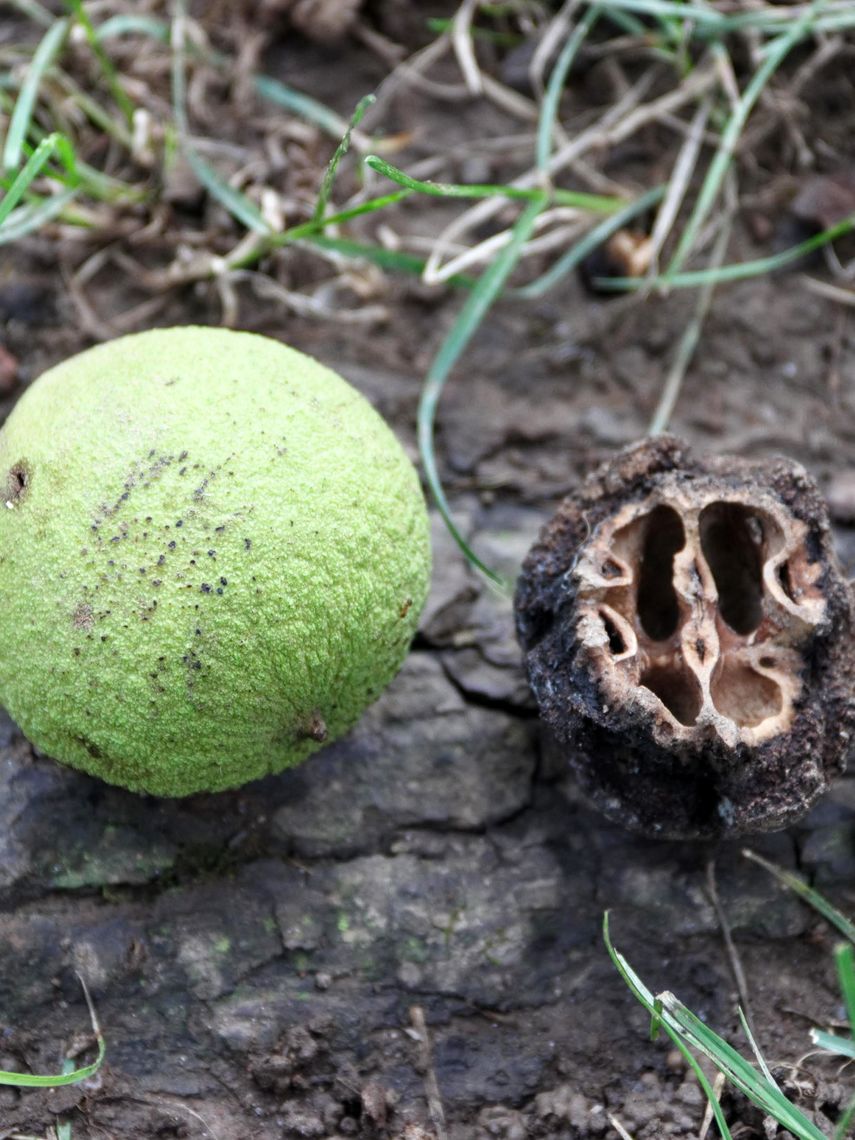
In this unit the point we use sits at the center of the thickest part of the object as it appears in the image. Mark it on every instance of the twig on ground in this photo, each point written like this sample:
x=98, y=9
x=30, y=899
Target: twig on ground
x=618, y=123
x=575, y=224
x=434, y=1100
x=618, y=1127
x=410, y=73
x=733, y=957
x=839, y=293
x=509, y=100
x=706, y=1123
x=691, y=334
x=678, y=183
x=461, y=41
x=549, y=45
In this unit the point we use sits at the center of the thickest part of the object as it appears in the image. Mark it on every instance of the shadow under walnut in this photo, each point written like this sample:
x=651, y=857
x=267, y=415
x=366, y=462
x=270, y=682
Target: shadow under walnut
x=688, y=637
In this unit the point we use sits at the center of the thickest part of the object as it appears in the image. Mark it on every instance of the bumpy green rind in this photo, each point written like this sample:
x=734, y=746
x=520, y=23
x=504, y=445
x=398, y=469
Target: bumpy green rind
x=213, y=555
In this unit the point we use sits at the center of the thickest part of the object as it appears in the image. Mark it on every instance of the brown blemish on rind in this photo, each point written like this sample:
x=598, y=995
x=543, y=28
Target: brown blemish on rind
x=315, y=727
x=688, y=636
x=17, y=485
x=83, y=617
x=93, y=749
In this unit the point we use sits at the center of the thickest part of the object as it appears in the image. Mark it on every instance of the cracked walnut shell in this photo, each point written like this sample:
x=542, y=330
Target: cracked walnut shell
x=688, y=637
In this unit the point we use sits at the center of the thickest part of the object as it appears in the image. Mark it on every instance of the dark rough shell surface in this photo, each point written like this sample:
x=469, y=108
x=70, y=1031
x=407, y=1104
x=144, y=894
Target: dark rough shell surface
x=688, y=637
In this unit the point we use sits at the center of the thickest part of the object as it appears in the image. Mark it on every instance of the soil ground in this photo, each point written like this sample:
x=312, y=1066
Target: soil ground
x=260, y=959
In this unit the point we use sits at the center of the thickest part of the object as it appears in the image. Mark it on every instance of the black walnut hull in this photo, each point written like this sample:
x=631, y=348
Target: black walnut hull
x=688, y=637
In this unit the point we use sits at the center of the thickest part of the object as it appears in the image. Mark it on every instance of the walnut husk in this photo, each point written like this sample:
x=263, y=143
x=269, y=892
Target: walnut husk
x=688, y=637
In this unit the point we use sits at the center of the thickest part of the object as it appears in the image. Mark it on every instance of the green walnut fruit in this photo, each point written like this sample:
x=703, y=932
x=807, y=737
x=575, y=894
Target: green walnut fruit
x=213, y=555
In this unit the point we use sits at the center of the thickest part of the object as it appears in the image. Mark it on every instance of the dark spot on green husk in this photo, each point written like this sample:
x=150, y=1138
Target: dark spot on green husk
x=93, y=749
x=83, y=616
x=17, y=482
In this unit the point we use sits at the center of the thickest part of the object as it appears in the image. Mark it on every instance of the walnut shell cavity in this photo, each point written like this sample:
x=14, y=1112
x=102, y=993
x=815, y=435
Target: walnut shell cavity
x=688, y=637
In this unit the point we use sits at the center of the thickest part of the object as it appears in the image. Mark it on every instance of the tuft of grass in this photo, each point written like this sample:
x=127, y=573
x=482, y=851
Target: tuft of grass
x=753, y=1079
x=733, y=129
x=55, y=145
x=688, y=1033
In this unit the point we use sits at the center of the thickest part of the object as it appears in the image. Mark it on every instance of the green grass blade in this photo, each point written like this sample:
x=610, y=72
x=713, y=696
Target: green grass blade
x=236, y=203
x=656, y=1020
x=755, y=1049
x=130, y=25
x=55, y=144
x=313, y=230
x=689, y=338
x=705, y=17
x=66, y=1077
x=707, y=22
x=31, y=218
x=844, y=959
x=646, y=998
x=730, y=136
x=377, y=255
x=305, y=229
x=739, y=271
x=696, y=14
x=340, y=151
x=303, y=105
x=586, y=245
x=841, y=1129
x=36, y=1081
x=76, y=172
x=123, y=102
x=35, y=12
x=555, y=86
x=842, y=21
x=94, y=183
x=19, y=125
x=474, y=310
x=625, y=21
x=440, y=25
x=740, y=1072
x=104, y=187
x=684, y=1026
x=834, y=1043
x=596, y=203
x=810, y=896
x=98, y=114
x=385, y=258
